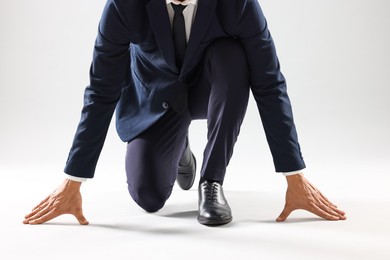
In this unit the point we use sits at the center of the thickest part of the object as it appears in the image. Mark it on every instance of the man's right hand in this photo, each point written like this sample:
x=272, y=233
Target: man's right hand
x=66, y=199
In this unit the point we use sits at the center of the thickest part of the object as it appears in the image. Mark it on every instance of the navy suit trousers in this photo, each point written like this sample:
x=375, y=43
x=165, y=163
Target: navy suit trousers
x=220, y=96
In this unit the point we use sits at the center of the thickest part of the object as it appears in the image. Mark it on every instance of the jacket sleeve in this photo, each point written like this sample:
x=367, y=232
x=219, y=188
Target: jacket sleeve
x=109, y=72
x=268, y=85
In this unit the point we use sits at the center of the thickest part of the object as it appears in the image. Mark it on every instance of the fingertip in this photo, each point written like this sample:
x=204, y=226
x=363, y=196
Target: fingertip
x=342, y=217
x=82, y=220
x=280, y=219
x=340, y=212
x=331, y=217
x=284, y=215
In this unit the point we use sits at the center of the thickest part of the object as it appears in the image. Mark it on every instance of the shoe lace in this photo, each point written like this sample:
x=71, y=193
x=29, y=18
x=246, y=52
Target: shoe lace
x=211, y=192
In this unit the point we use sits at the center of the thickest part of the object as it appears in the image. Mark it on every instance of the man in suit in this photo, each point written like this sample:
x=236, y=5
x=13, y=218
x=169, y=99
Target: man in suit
x=161, y=64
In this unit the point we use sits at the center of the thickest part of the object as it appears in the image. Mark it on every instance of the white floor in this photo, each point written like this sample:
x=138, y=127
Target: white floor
x=120, y=230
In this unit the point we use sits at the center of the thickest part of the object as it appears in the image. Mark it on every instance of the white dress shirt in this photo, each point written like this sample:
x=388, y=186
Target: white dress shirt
x=188, y=13
x=189, y=16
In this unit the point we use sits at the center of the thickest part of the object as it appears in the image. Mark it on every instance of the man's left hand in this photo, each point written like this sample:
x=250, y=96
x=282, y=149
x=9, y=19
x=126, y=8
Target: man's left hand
x=301, y=194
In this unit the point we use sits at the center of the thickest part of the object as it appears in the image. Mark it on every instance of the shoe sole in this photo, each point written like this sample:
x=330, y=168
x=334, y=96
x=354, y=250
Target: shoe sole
x=214, y=222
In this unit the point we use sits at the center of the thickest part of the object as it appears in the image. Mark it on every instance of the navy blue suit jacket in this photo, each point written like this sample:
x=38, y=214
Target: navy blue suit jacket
x=134, y=71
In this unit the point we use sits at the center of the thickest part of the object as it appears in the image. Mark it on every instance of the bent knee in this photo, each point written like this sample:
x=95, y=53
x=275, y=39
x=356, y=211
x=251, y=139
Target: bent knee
x=151, y=200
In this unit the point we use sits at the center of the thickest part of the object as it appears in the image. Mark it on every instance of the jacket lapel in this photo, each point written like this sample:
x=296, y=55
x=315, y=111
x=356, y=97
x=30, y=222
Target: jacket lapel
x=203, y=16
x=159, y=21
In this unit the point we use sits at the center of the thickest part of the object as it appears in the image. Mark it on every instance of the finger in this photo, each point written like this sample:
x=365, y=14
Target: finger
x=340, y=213
x=44, y=218
x=322, y=195
x=333, y=207
x=330, y=204
x=328, y=208
x=327, y=203
x=36, y=210
x=326, y=199
x=39, y=213
x=42, y=202
x=284, y=215
x=322, y=213
x=80, y=218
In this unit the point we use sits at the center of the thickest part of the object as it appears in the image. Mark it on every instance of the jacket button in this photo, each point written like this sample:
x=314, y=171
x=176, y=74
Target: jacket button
x=165, y=105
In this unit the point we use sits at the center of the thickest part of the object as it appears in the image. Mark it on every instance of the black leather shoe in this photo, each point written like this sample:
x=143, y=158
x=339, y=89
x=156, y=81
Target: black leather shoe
x=213, y=207
x=187, y=168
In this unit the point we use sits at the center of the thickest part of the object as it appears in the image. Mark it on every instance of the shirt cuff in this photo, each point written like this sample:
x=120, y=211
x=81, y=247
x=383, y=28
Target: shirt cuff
x=74, y=178
x=292, y=173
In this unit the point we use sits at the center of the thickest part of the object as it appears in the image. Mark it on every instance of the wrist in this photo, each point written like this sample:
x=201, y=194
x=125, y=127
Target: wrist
x=294, y=178
x=71, y=184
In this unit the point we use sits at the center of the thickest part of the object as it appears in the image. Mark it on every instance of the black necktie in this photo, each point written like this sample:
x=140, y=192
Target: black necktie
x=179, y=33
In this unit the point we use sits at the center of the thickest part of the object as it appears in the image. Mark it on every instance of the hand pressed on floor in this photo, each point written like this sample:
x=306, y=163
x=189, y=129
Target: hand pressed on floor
x=66, y=199
x=301, y=194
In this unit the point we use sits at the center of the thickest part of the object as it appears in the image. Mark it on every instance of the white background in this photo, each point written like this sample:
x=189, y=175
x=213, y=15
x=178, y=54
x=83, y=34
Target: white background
x=335, y=56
